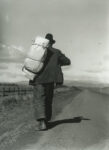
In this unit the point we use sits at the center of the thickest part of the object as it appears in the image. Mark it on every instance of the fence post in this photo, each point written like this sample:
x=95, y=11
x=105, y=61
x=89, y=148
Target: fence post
x=3, y=91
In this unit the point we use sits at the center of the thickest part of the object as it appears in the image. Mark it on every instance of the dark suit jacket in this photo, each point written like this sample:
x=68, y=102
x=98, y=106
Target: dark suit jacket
x=51, y=71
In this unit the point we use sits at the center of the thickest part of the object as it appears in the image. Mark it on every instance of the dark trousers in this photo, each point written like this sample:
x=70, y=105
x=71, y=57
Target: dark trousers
x=42, y=101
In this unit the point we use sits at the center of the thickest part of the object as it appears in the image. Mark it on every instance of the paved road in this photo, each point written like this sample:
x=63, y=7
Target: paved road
x=83, y=124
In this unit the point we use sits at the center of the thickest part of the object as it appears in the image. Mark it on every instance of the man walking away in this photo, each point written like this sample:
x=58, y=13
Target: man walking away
x=44, y=83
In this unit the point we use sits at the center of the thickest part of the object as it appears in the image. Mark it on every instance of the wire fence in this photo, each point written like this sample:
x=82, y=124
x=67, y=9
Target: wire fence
x=10, y=90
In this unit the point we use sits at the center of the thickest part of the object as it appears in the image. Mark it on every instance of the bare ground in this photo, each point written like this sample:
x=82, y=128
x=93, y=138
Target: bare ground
x=80, y=122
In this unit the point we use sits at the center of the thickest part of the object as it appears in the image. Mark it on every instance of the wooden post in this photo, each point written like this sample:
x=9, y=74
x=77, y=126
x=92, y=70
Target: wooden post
x=3, y=91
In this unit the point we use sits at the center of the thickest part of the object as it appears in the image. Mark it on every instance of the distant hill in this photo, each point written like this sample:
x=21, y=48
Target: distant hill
x=22, y=83
x=86, y=83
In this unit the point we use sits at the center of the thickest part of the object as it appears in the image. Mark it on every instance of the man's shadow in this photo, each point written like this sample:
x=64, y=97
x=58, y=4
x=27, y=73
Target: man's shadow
x=73, y=120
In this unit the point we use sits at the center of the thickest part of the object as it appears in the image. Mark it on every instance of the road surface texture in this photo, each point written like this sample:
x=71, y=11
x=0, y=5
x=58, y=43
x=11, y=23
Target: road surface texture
x=80, y=122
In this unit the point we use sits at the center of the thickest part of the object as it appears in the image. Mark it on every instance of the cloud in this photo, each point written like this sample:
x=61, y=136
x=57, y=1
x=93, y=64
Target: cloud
x=106, y=57
x=3, y=46
x=7, y=18
x=18, y=48
x=3, y=67
x=11, y=72
x=12, y=53
x=17, y=52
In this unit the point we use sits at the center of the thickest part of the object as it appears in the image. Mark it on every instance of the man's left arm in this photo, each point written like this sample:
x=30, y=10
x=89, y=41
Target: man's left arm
x=63, y=60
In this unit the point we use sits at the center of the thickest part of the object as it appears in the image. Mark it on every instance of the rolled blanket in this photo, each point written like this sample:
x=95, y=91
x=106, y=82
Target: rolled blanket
x=35, y=57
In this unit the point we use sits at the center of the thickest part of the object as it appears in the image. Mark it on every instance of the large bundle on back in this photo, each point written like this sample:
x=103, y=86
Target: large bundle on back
x=35, y=57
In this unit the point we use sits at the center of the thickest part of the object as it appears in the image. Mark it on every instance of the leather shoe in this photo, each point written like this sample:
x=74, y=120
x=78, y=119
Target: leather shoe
x=42, y=125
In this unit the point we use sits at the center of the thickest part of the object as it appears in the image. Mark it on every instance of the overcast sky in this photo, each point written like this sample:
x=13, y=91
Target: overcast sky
x=80, y=28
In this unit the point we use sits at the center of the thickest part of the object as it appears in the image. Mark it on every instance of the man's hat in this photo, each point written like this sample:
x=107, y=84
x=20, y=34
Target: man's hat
x=50, y=38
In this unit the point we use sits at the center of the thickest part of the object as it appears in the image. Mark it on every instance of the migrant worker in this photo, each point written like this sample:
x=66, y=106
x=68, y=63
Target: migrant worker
x=44, y=83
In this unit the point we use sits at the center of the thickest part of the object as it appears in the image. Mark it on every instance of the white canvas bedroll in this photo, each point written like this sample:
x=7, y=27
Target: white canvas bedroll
x=36, y=56
x=33, y=65
x=28, y=74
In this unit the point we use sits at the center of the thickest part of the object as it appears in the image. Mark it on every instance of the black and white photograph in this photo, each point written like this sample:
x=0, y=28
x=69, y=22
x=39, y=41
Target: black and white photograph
x=54, y=75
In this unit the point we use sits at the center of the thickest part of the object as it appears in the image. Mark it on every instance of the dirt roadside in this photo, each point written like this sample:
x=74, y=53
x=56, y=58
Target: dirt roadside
x=80, y=122
x=16, y=124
